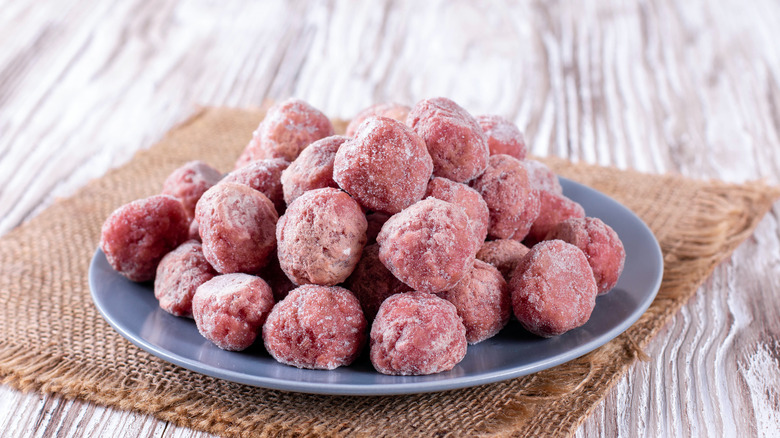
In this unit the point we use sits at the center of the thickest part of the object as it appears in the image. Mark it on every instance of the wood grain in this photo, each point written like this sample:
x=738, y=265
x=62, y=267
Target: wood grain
x=661, y=86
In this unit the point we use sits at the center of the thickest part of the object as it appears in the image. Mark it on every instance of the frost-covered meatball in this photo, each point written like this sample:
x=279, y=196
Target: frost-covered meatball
x=179, y=274
x=316, y=327
x=313, y=169
x=504, y=254
x=394, y=111
x=237, y=225
x=263, y=176
x=189, y=182
x=320, y=237
x=288, y=128
x=429, y=246
x=541, y=177
x=455, y=140
x=503, y=136
x=601, y=245
x=372, y=282
x=554, y=208
x=385, y=167
x=467, y=198
x=482, y=300
x=136, y=236
x=512, y=202
x=417, y=333
x=553, y=289
x=230, y=309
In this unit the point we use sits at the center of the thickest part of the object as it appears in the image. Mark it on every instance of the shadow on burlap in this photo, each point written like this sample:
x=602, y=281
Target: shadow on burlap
x=52, y=338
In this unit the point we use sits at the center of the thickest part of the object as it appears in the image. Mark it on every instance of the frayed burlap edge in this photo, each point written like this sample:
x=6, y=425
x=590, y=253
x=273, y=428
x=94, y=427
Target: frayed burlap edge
x=716, y=218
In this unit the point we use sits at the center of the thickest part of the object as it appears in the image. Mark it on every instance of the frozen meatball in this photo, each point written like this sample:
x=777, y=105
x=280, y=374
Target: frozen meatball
x=482, y=300
x=385, y=167
x=288, y=128
x=179, y=274
x=553, y=289
x=394, y=111
x=189, y=182
x=237, y=226
x=313, y=169
x=601, y=246
x=316, y=327
x=541, y=177
x=429, y=246
x=465, y=197
x=375, y=222
x=194, y=233
x=417, y=333
x=454, y=138
x=229, y=310
x=503, y=136
x=512, y=202
x=320, y=237
x=136, y=236
x=265, y=177
x=553, y=209
x=372, y=282
x=504, y=254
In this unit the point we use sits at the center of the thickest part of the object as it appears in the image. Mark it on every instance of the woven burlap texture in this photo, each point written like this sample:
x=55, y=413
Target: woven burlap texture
x=52, y=338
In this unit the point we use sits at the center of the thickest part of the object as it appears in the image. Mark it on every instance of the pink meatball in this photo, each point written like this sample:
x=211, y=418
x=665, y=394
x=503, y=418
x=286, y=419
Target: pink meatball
x=313, y=169
x=263, y=176
x=467, y=198
x=553, y=209
x=512, y=202
x=429, y=246
x=230, y=309
x=237, y=225
x=417, y=333
x=541, y=177
x=504, y=254
x=385, y=167
x=553, y=289
x=320, y=237
x=316, y=327
x=189, y=182
x=136, y=236
x=179, y=274
x=394, y=111
x=288, y=128
x=503, y=136
x=372, y=282
x=194, y=232
x=601, y=245
x=456, y=142
x=483, y=302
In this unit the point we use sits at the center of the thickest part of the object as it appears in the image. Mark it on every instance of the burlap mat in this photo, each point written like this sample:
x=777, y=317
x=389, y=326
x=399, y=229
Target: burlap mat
x=52, y=338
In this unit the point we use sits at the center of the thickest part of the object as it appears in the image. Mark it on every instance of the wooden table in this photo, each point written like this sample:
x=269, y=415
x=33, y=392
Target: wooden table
x=661, y=86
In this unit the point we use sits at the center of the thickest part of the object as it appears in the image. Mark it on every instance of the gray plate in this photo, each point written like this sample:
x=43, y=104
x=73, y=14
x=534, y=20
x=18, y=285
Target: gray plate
x=133, y=311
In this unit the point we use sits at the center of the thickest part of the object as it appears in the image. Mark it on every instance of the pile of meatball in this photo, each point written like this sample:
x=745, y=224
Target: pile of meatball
x=420, y=231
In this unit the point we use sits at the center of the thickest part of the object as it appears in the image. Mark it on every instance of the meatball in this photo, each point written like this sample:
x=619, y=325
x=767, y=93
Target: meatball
x=503, y=136
x=288, y=128
x=385, y=167
x=512, y=202
x=313, y=169
x=541, y=177
x=237, y=225
x=553, y=289
x=456, y=142
x=136, y=236
x=417, y=333
x=277, y=279
x=179, y=274
x=429, y=246
x=230, y=309
x=601, y=246
x=263, y=176
x=189, y=182
x=504, y=254
x=372, y=282
x=482, y=300
x=316, y=327
x=467, y=198
x=553, y=209
x=394, y=111
x=320, y=237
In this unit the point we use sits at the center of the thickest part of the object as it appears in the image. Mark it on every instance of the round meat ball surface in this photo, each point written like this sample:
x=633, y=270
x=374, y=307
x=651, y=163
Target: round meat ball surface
x=189, y=182
x=504, y=137
x=467, y=198
x=179, y=274
x=313, y=169
x=394, y=111
x=263, y=176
